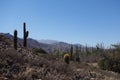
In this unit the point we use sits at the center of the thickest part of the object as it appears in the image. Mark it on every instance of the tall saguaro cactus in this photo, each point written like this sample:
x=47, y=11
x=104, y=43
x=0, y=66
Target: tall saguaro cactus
x=71, y=52
x=25, y=35
x=77, y=56
x=15, y=39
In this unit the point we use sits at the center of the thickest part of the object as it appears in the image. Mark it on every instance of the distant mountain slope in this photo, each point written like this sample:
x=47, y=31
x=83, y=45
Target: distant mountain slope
x=48, y=45
x=32, y=43
x=48, y=41
x=7, y=35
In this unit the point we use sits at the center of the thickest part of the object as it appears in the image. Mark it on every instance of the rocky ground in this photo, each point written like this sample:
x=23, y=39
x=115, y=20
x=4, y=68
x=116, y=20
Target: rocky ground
x=24, y=64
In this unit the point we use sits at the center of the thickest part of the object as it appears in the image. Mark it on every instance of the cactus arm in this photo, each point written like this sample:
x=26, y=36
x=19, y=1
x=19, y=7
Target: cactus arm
x=27, y=33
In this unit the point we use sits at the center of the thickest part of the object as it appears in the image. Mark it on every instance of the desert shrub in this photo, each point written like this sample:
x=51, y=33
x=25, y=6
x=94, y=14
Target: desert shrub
x=110, y=63
x=77, y=59
x=40, y=50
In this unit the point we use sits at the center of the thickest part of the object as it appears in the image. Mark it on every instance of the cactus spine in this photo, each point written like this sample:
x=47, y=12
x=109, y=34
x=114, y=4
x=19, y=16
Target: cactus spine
x=25, y=35
x=15, y=39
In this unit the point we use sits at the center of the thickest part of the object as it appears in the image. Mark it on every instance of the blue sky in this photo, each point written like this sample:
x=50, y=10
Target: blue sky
x=74, y=21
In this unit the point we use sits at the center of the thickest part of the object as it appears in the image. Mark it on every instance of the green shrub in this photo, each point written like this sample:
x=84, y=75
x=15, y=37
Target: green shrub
x=40, y=50
x=110, y=63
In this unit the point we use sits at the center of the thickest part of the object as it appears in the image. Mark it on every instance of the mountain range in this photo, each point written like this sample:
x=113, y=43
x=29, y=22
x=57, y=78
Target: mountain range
x=47, y=41
x=48, y=45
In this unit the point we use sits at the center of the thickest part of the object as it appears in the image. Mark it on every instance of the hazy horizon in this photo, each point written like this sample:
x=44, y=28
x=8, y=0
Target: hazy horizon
x=72, y=21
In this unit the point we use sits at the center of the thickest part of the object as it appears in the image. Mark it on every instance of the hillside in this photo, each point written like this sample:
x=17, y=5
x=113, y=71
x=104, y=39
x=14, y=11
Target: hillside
x=25, y=64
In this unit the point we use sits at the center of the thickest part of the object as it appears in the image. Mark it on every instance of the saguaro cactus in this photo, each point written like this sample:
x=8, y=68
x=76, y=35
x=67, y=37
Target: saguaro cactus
x=15, y=39
x=71, y=52
x=25, y=35
x=77, y=56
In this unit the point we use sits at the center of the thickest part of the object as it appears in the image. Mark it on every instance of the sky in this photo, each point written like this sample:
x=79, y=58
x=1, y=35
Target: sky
x=73, y=21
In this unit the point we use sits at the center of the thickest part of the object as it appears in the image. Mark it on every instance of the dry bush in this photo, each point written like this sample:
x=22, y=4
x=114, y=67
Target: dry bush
x=29, y=66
